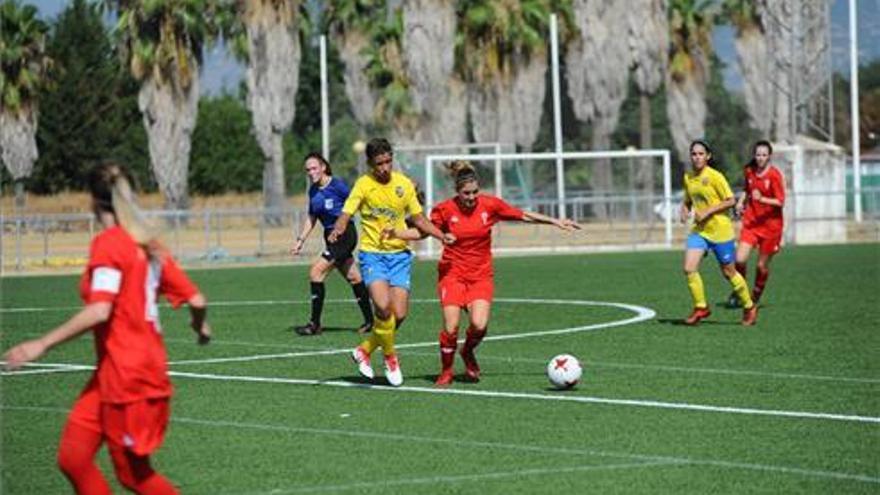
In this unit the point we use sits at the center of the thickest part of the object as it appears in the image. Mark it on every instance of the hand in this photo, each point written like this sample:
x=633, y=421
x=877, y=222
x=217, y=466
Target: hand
x=203, y=333
x=739, y=209
x=297, y=247
x=448, y=238
x=756, y=195
x=683, y=215
x=568, y=225
x=387, y=233
x=334, y=235
x=700, y=216
x=27, y=351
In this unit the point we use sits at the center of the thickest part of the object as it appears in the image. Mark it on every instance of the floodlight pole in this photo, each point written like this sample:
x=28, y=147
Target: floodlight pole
x=854, y=108
x=325, y=107
x=557, y=116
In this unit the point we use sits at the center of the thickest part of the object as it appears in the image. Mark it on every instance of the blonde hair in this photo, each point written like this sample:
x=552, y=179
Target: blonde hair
x=462, y=171
x=112, y=192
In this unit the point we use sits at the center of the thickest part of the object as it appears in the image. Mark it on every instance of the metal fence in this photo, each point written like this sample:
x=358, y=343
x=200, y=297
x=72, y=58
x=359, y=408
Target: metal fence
x=214, y=237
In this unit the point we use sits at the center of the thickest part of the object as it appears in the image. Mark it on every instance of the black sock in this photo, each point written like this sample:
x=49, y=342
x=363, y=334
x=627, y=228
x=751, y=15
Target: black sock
x=362, y=296
x=317, y=289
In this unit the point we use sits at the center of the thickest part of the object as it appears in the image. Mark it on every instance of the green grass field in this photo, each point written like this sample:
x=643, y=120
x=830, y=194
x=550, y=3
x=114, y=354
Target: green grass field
x=789, y=406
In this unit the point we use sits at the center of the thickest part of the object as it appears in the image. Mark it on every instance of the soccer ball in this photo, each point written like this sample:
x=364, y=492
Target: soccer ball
x=564, y=371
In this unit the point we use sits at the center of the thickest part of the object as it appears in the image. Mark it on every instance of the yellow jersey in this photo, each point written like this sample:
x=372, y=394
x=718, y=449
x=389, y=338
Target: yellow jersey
x=380, y=205
x=706, y=189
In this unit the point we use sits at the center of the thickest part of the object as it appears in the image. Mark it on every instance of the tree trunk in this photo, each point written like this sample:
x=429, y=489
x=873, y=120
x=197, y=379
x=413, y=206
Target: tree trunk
x=601, y=179
x=272, y=80
x=644, y=177
x=754, y=64
x=686, y=108
x=357, y=86
x=18, y=143
x=20, y=196
x=169, y=118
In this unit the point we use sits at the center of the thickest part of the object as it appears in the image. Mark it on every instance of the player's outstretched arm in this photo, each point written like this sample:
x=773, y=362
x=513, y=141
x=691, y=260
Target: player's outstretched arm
x=31, y=350
x=339, y=227
x=198, y=312
x=430, y=229
x=561, y=223
x=410, y=234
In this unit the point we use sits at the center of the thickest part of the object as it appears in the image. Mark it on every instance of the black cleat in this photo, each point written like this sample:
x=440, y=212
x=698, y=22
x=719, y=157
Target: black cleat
x=309, y=329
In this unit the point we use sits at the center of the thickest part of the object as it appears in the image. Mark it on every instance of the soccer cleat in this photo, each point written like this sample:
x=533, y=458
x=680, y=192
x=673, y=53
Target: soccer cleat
x=392, y=371
x=309, y=328
x=750, y=316
x=444, y=379
x=697, y=315
x=471, y=367
x=362, y=359
x=365, y=328
x=733, y=300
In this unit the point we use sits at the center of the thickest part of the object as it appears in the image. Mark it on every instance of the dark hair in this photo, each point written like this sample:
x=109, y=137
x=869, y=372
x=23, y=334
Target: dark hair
x=763, y=142
x=376, y=147
x=101, y=179
x=711, y=161
x=111, y=187
x=462, y=172
x=320, y=158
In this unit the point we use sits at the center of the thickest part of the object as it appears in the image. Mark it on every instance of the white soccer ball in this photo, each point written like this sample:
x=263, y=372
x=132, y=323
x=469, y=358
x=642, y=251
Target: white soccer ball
x=564, y=371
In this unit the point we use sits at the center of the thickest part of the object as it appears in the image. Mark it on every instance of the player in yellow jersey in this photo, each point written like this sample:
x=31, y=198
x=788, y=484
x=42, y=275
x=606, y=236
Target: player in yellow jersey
x=384, y=198
x=707, y=196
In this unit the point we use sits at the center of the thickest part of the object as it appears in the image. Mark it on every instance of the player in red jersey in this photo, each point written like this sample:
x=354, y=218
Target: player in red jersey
x=465, y=268
x=126, y=401
x=761, y=208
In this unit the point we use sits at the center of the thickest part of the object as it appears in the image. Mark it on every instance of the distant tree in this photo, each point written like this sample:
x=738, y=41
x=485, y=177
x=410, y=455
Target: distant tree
x=88, y=114
x=753, y=59
x=24, y=72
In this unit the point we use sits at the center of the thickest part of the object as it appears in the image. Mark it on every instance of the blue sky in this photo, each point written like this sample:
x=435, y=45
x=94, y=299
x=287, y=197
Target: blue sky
x=221, y=71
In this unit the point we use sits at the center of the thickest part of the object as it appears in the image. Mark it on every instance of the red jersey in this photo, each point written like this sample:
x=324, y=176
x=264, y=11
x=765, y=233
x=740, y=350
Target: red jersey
x=759, y=216
x=132, y=363
x=470, y=257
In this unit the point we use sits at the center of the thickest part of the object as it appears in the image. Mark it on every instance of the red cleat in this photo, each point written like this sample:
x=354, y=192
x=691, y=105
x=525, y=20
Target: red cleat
x=444, y=379
x=471, y=367
x=750, y=315
x=697, y=315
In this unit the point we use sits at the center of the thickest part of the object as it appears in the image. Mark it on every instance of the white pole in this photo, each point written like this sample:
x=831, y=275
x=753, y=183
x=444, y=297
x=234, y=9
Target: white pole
x=667, y=196
x=557, y=116
x=429, y=199
x=854, y=108
x=325, y=107
x=499, y=178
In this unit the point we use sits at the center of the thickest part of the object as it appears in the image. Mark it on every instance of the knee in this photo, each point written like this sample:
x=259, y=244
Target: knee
x=382, y=312
x=316, y=275
x=353, y=278
x=729, y=271
x=763, y=265
x=71, y=461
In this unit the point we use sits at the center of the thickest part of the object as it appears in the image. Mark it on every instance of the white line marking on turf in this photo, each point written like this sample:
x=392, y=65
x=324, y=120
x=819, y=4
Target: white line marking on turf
x=452, y=479
x=549, y=397
x=642, y=314
x=399, y=437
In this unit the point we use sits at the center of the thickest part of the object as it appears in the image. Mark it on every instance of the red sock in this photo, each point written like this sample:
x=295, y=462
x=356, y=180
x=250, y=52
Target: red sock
x=474, y=337
x=76, y=458
x=448, y=343
x=741, y=268
x=760, y=281
x=136, y=474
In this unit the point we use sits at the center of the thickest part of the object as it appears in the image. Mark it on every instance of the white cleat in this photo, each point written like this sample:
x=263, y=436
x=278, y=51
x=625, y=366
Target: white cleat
x=392, y=371
x=362, y=359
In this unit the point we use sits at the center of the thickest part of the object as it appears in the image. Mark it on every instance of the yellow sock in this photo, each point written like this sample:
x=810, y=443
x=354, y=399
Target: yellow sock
x=741, y=287
x=698, y=294
x=384, y=332
x=371, y=343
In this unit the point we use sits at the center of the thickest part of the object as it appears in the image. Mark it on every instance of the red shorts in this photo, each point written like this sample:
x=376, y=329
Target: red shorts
x=455, y=291
x=767, y=244
x=137, y=426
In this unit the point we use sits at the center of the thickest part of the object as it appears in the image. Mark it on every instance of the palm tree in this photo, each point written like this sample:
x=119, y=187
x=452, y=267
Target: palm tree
x=350, y=26
x=753, y=60
x=24, y=72
x=162, y=43
x=690, y=33
x=273, y=54
x=501, y=53
x=597, y=71
x=649, y=39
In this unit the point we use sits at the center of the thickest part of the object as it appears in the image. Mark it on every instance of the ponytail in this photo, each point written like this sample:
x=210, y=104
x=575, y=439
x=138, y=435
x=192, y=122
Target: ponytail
x=111, y=190
x=462, y=171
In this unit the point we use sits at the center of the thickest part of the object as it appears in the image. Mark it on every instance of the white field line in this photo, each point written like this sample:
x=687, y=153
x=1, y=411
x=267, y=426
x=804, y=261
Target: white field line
x=642, y=314
x=548, y=397
x=453, y=479
x=556, y=451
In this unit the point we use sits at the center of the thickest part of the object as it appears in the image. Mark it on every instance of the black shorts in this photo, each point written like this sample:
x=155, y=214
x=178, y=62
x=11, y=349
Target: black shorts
x=340, y=251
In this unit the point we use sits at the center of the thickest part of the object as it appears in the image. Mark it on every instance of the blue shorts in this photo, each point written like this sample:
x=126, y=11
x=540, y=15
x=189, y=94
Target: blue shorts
x=724, y=251
x=393, y=268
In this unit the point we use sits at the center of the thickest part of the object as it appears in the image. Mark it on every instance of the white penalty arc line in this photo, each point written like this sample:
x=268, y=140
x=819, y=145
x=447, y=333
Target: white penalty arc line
x=646, y=459
x=561, y=397
x=641, y=314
